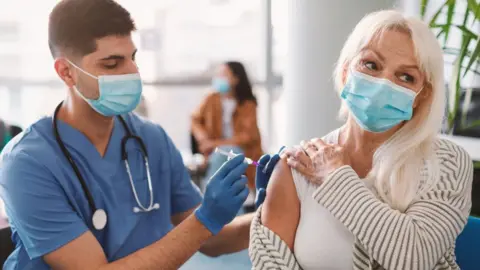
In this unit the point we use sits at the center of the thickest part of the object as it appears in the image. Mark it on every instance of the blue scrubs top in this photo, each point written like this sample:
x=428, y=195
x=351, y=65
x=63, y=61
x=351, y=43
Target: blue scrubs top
x=47, y=207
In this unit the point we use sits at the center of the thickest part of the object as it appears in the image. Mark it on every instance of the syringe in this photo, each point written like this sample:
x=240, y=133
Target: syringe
x=231, y=154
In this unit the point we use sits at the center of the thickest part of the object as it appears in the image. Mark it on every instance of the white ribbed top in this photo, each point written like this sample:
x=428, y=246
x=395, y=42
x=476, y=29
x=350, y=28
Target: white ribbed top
x=423, y=237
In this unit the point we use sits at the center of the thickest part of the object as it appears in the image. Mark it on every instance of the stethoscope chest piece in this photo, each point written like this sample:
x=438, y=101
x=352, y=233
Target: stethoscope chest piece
x=99, y=219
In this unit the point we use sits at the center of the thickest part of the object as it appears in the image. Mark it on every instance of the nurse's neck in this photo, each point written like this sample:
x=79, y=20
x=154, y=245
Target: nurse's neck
x=79, y=115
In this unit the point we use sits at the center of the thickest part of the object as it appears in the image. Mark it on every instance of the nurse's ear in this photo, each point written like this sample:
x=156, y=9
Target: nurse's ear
x=64, y=71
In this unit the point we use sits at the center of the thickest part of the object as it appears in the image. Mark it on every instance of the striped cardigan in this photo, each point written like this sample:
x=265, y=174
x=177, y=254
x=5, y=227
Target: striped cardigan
x=421, y=238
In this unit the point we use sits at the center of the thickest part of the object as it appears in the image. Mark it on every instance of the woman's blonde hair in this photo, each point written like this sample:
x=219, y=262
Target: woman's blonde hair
x=397, y=164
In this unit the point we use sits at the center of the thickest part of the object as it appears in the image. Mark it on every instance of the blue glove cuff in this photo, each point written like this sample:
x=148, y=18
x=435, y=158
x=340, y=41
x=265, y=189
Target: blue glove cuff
x=211, y=226
x=261, y=194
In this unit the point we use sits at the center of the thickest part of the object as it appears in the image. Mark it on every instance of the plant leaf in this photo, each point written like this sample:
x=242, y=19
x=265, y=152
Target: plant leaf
x=437, y=25
x=463, y=28
x=476, y=165
x=475, y=123
x=476, y=72
x=440, y=33
x=466, y=31
x=467, y=99
x=474, y=8
x=473, y=58
x=454, y=85
x=435, y=16
x=423, y=8
x=452, y=89
x=450, y=10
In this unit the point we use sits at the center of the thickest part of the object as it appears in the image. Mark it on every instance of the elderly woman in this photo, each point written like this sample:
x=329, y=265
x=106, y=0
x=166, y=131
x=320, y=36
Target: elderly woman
x=381, y=192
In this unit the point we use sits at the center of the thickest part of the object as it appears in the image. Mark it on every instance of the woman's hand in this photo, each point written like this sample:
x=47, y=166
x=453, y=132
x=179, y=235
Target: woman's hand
x=207, y=146
x=316, y=159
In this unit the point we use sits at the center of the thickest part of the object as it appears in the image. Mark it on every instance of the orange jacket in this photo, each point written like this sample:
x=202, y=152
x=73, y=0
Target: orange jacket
x=207, y=123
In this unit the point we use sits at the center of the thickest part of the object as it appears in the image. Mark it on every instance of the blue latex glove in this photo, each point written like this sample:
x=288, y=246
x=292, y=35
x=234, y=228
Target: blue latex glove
x=224, y=195
x=263, y=175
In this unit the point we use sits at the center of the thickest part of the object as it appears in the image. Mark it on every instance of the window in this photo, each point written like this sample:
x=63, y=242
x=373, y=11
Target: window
x=180, y=43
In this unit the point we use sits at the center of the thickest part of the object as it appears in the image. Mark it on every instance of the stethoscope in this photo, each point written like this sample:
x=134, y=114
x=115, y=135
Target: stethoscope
x=99, y=217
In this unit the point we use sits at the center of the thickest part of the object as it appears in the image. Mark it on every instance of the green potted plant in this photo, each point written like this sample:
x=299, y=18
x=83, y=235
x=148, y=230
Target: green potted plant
x=466, y=54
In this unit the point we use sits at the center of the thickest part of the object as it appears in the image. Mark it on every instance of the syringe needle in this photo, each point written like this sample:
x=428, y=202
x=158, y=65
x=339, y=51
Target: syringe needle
x=231, y=154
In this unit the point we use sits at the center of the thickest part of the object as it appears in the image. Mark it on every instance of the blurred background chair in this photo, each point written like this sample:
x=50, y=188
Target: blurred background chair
x=15, y=130
x=6, y=245
x=468, y=245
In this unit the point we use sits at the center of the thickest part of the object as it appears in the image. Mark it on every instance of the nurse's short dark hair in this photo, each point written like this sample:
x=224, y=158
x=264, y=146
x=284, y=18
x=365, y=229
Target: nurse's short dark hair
x=75, y=25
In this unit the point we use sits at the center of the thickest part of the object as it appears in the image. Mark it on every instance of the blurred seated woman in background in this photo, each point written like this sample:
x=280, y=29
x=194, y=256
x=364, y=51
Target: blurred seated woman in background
x=227, y=118
x=7, y=132
x=381, y=192
x=5, y=135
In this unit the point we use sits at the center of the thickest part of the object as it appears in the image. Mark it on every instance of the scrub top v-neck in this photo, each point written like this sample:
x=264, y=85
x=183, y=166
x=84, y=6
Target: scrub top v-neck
x=47, y=207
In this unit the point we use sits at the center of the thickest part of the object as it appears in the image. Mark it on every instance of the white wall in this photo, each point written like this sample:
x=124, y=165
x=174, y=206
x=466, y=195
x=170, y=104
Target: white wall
x=316, y=33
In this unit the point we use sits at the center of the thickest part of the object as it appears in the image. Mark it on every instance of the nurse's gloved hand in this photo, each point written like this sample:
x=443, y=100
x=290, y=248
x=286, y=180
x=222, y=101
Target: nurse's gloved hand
x=224, y=195
x=264, y=172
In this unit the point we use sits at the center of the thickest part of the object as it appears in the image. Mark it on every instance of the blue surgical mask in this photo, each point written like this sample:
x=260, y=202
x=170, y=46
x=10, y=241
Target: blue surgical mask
x=118, y=94
x=377, y=104
x=221, y=85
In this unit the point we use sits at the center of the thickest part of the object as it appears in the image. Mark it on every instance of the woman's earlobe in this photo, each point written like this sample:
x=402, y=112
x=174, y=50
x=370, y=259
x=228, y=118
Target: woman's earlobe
x=344, y=76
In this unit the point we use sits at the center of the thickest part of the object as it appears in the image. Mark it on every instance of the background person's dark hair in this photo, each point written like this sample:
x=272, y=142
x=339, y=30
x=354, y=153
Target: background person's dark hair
x=243, y=89
x=75, y=25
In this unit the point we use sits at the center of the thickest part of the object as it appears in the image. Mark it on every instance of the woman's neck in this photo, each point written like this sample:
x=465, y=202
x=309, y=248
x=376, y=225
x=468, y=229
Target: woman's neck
x=229, y=95
x=356, y=139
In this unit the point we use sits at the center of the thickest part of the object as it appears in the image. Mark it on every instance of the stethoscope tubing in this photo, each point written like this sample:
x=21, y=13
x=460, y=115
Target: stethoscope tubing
x=99, y=217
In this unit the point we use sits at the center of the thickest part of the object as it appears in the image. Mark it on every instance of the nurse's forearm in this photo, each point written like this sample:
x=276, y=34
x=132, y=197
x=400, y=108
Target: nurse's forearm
x=233, y=237
x=170, y=252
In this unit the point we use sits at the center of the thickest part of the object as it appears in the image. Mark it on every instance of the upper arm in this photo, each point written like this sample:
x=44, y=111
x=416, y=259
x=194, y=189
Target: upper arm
x=37, y=206
x=281, y=209
x=197, y=124
x=198, y=113
x=83, y=252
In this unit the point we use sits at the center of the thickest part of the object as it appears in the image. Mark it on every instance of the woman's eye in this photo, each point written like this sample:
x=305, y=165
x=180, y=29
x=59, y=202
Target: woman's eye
x=407, y=78
x=370, y=65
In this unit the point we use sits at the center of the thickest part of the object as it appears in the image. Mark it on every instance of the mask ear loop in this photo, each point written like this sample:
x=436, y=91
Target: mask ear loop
x=87, y=73
x=420, y=91
x=77, y=67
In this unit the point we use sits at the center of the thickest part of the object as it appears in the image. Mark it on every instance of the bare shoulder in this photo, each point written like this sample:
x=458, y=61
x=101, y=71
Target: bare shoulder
x=281, y=209
x=280, y=186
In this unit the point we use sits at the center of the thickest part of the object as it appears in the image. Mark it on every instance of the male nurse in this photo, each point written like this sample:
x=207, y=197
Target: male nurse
x=71, y=199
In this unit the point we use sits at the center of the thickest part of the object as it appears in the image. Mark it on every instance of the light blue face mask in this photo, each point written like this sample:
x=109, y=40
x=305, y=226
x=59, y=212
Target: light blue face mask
x=118, y=94
x=377, y=104
x=221, y=85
